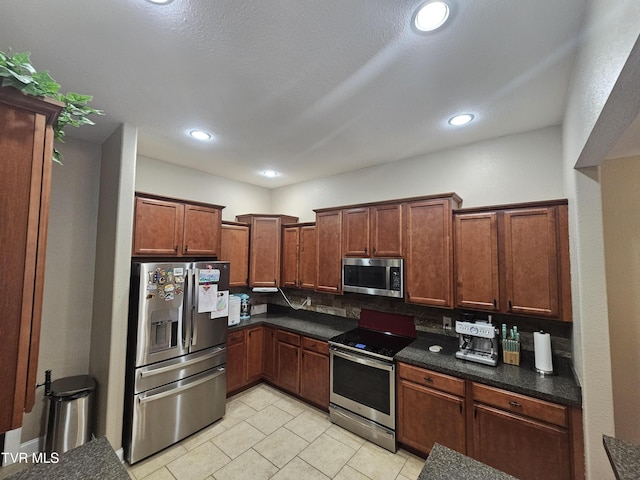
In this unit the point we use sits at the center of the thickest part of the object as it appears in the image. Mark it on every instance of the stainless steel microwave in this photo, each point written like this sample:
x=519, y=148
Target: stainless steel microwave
x=373, y=276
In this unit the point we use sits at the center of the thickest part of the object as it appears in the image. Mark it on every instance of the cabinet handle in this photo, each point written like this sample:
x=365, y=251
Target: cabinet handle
x=460, y=405
x=510, y=305
x=176, y=248
x=495, y=303
x=186, y=248
x=514, y=404
x=374, y=250
x=428, y=379
x=365, y=250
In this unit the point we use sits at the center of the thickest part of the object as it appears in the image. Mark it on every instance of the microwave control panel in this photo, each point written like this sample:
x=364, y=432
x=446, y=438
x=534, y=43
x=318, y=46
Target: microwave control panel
x=395, y=284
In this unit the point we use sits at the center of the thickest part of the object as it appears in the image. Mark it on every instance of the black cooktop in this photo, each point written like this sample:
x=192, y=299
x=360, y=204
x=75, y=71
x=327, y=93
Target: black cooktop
x=380, y=343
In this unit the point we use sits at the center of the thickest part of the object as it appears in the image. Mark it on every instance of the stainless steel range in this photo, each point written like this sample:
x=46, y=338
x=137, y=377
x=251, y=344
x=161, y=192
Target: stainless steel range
x=362, y=375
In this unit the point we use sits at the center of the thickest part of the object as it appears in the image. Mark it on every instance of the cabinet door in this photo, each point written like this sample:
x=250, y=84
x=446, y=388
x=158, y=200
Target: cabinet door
x=288, y=362
x=355, y=240
x=522, y=447
x=427, y=416
x=428, y=253
x=255, y=345
x=476, y=261
x=158, y=227
x=314, y=375
x=234, y=248
x=201, y=231
x=531, y=261
x=386, y=231
x=270, y=353
x=329, y=256
x=265, y=252
x=236, y=355
x=307, y=257
x=290, y=256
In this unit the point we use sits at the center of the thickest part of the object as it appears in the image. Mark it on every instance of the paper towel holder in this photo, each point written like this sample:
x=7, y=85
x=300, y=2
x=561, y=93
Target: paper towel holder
x=541, y=372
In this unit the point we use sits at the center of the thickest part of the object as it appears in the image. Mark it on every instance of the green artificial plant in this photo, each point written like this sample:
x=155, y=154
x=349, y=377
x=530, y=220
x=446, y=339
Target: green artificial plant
x=16, y=71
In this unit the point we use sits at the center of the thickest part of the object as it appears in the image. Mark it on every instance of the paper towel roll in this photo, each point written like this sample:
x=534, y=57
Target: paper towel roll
x=542, y=349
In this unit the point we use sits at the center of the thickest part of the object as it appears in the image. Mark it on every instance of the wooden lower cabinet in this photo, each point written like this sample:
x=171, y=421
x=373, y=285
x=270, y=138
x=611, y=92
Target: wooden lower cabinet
x=427, y=410
x=236, y=358
x=269, y=354
x=288, y=361
x=255, y=349
x=314, y=372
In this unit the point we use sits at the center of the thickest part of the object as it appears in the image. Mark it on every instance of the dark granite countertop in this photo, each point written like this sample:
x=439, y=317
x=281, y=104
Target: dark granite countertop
x=624, y=458
x=93, y=460
x=446, y=464
x=561, y=388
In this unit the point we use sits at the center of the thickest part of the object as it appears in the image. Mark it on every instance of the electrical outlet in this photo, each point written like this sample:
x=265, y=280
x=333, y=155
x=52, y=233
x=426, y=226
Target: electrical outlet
x=446, y=323
x=308, y=301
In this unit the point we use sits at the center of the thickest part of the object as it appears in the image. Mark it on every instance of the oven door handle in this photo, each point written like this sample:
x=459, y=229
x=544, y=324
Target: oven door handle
x=364, y=361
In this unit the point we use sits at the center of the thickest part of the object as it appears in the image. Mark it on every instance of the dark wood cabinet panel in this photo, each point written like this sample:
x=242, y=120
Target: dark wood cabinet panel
x=386, y=231
x=269, y=360
x=236, y=358
x=158, y=227
x=476, y=261
x=234, y=248
x=290, y=256
x=307, y=257
x=314, y=375
x=426, y=416
x=288, y=364
x=26, y=147
x=255, y=357
x=201, y=231
x=355, y=231
x=521, y=446
x=428, y=252
x=329, y=251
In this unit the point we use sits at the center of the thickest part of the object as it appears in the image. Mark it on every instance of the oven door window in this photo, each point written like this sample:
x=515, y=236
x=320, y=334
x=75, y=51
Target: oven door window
x=367, y=277
x=363, y=384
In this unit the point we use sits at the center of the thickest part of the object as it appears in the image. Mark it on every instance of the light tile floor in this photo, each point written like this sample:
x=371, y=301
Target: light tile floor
x=269, y=434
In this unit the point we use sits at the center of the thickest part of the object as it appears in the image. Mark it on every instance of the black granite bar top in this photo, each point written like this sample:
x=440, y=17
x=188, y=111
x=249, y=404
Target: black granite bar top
x=93, y=460
x=446, y=464
x=624, y=458
x=561, y=388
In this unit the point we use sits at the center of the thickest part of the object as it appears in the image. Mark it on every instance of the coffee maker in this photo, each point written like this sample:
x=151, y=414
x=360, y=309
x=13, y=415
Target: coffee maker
x=477, y=341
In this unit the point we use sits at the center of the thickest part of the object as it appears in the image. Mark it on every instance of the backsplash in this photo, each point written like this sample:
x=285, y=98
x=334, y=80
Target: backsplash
x=427, y=319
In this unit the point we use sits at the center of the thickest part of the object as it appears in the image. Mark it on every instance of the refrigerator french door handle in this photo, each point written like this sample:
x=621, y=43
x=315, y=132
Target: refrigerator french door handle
x=186, y=312
x=194, y=308
x=174, y=391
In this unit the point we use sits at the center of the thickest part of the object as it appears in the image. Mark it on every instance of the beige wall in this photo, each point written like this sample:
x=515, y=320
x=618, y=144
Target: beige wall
x=620, y=205
x=510, y=169
x=162, y=178
x=68, y=284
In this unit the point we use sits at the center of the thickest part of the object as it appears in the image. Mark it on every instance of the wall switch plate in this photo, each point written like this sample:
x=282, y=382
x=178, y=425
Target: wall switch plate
x=446, y=323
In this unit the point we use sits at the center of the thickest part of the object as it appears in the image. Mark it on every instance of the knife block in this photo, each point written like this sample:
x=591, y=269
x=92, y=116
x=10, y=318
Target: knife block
x=512, y=358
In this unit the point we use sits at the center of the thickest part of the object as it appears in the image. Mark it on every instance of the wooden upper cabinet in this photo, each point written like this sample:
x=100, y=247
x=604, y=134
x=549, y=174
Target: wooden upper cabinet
x=374, y=231
x=265, y=248
x=386, y=231
x=355, y=232
x=299, y=256
x=429, y=252
x=329, y=252
x=158, y=227
x=168, y=228
x=234, y=248
x=531, y=261
x=201, y=231
x=26, y=147
x=476, y=261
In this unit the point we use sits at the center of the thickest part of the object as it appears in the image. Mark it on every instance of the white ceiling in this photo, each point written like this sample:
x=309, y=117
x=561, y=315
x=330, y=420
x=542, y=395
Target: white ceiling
x=309, y=88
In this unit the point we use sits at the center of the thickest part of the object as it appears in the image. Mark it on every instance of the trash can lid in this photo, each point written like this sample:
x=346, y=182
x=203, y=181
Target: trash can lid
x=68, y=386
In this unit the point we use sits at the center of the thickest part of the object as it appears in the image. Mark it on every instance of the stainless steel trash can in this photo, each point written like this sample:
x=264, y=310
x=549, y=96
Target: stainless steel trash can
x=69, y=414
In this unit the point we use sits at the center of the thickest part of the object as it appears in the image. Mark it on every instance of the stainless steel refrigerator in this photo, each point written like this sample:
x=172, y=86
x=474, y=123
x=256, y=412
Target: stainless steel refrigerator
x=176, y=353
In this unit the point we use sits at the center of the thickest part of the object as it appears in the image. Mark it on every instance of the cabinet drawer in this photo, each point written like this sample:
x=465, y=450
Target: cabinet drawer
x=235, y=337
x=516, y=403
x=315, y=345
x=431, y=379
x=288, y=337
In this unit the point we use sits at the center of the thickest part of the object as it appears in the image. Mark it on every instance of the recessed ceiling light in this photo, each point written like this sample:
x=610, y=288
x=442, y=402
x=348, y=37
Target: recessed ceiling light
x=431, y=15
x=200, y=135
x=270, y=173
x=461, y=119
x=160, y=2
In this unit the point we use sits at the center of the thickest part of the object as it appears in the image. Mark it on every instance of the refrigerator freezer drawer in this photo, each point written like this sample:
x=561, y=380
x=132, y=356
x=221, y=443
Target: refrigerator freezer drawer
x=162, y=373
x=166, y=415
